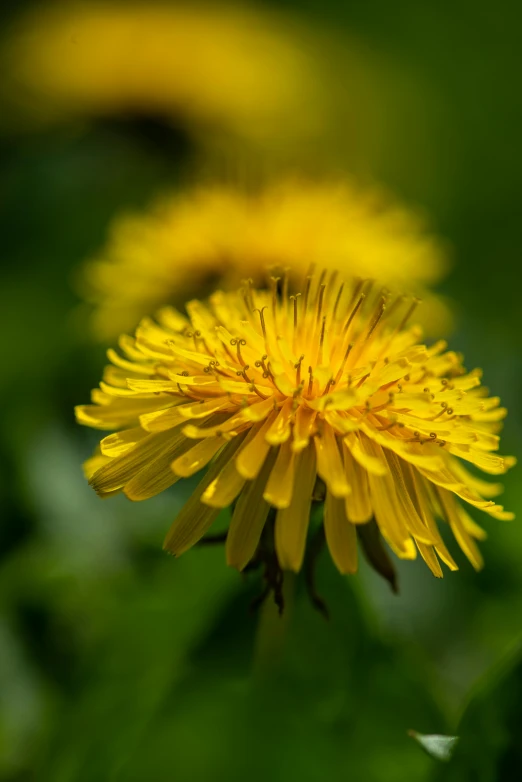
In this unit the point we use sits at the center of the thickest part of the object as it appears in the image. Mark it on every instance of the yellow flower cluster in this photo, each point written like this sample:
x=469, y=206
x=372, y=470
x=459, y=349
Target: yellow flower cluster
x=289, y=396
x=192, y=240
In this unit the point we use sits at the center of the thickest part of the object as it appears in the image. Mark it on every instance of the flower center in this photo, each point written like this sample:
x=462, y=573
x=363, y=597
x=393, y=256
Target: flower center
x=302, y=346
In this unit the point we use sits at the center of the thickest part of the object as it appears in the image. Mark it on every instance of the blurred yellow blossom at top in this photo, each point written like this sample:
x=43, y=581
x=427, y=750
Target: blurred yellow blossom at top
x=233, y=69
x=219, y=234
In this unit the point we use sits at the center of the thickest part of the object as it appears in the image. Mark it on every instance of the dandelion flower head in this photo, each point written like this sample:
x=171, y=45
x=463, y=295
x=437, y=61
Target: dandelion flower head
x=222, y=234
x=227, y=69
x=287, y=397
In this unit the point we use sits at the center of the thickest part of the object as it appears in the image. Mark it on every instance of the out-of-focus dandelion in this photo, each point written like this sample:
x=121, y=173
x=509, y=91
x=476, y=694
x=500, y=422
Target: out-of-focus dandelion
x=218, y=234
x=206, y=68
x=286, y=397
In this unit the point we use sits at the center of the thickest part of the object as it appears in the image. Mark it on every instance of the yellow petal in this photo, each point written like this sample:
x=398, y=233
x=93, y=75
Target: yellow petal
x=197, y=457
x=280, y=429
x=447, y=479
x=91, y=465
x=161, y=420
x=217, y=424
x=115, y=413
x=115, y=376
x=151, y=480
x=126, y=393
x=258, y=411
x=427, y=456
x=489, y=416
x=195, y=518
x=358, y=503
x=462, y=536
x=414, y=523
x=122, y=469
x=131, y=366
x=474, y=530
x=251, y=458
x=421, y=499
x=225, y=487
x=329, y=463
x=341, y=423
x=292, y=522
x=340, y=535
x=501, y=514
x=119, y=443
x=156, y=476
x=280, y=485
x=303, y=427
x=338, y=400
x=203, y=409
x=389, y=516
x=248, y=519
x=484, y=488
x=429, y=556
x=171, y=318
x=494, y=465
x=363, y=453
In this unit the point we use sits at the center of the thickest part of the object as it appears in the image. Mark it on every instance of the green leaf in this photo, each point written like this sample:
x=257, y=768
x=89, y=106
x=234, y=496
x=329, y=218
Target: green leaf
x=437, y=746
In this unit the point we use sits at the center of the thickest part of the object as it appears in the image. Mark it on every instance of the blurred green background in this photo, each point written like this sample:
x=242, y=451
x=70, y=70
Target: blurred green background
x=120, y=663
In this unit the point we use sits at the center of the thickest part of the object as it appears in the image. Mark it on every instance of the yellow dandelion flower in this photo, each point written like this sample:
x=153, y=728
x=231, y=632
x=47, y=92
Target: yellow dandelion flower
x=288, y=397
x=219, y=233
x=207, y=68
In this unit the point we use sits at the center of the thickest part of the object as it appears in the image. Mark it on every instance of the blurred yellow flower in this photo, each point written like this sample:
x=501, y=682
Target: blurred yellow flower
x=209, y=67
x=322, y=393
x=189, y=241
